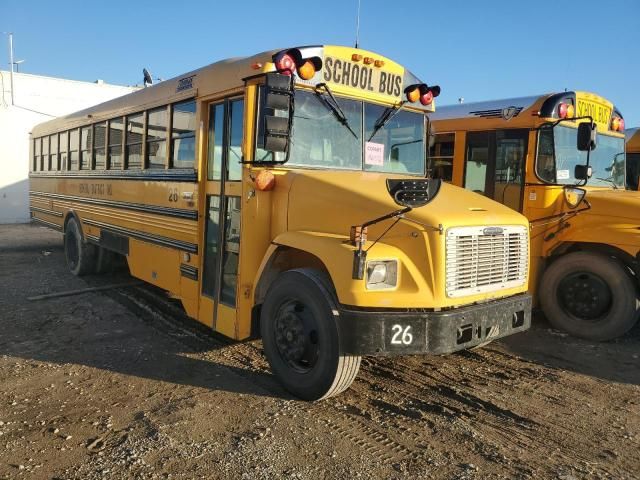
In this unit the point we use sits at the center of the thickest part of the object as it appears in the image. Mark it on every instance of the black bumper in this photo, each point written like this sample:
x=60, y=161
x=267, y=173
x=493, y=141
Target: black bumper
x=396, y=332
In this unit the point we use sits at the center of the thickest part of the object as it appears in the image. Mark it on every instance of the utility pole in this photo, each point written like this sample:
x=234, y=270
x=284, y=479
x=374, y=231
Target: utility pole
x=11, y=62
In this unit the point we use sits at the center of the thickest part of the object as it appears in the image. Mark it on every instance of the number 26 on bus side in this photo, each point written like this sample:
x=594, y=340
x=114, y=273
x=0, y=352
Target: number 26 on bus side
x=401, y=336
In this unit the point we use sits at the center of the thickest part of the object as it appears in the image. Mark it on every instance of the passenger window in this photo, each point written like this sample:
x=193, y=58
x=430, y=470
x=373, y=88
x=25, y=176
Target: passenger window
x=441, y=157
x=135, y=130
x=157, y=138
x=234, y=154
x=510, y=154
x=45, y=154
x=53, y=151
x=183, y=135
x=85, y=147
x=99, y=146
x=37, y=154
x=115, y=144
x=212, y=245
x=64, y=159
x=74, y=139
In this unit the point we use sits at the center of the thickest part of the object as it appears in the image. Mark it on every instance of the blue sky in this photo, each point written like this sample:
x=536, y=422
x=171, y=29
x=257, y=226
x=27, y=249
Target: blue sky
x=478, y=50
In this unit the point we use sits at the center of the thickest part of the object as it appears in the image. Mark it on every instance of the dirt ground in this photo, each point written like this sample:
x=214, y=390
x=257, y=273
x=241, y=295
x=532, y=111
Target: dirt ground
x=118, y=384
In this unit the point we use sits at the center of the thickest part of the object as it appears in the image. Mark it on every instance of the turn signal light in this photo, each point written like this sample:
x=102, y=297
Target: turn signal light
x=265, y=181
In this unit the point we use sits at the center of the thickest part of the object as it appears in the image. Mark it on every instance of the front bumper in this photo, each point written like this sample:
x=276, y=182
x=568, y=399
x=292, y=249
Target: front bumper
x=395, y=332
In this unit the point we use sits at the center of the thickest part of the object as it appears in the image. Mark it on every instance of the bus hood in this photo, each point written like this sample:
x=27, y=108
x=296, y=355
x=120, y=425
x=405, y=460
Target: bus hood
x=332, y=202
x=621, y=204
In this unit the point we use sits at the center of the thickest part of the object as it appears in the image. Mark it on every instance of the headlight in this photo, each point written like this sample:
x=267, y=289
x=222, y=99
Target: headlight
x=382, y=274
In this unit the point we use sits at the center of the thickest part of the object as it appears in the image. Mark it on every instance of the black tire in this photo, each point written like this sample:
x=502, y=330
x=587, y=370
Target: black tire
x=300, y=336
x=589, y=295
x=80, y=255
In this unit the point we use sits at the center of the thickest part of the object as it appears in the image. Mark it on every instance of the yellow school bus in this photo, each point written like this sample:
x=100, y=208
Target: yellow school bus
x=559, y=159
x=283, y=196
x=632, y=138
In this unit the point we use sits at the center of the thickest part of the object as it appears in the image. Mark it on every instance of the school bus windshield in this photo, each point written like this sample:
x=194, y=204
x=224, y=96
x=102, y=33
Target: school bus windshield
x=320, y=139
x=607, y=163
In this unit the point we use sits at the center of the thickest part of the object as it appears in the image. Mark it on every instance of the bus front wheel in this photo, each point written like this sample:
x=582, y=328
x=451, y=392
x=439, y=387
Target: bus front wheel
x=589, y=295
x=300, y=337
x=80, y=255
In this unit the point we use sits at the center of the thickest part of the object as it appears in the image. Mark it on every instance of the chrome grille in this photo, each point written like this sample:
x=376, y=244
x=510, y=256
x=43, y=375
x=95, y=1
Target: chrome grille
x=486, y=259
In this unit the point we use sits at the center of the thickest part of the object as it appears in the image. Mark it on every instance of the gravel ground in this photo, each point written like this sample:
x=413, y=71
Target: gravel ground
x=119, y=384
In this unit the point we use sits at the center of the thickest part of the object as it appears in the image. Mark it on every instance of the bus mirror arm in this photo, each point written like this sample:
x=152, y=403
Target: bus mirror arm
x=358, y=238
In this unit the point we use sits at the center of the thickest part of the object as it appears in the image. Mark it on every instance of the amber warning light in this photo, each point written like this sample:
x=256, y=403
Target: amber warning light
x=290, y=62
x=422, y=92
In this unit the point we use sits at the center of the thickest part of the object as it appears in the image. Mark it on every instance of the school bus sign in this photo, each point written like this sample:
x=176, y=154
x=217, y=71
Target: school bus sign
x=596, y=108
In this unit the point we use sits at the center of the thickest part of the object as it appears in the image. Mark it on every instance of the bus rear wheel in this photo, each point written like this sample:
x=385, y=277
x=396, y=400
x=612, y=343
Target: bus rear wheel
x=300, y=337
x=80, y=255
x=589, y=295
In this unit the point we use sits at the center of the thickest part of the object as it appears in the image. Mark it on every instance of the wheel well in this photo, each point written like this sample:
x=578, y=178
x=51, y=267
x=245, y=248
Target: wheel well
x=283, y=259
x=623, y=257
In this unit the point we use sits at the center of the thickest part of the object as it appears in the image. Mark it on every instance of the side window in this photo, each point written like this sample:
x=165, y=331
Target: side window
x=86, y=138
x=236, y=130
x=441, y=156
x=115, y=144
x=216, y=135
x=63, y=143
x=183, y=135
x=477, y=162
x=100, y=141
x=45, y=154
x=135, y=129
x=231, y=252
x=510, y=155
x=74, y=139
x=53, y=152
x=37, y=155
x=545, y=160
x=157, y=138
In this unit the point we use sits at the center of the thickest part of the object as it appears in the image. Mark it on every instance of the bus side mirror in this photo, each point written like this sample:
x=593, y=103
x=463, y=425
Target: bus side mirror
x=583, y=172
x=587, y=137
x=279, y=99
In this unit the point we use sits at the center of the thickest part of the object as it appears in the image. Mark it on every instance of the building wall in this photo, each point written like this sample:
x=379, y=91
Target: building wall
x=36, y=99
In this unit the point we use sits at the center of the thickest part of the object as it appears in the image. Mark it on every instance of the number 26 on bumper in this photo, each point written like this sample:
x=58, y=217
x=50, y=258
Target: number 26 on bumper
x=401, y=336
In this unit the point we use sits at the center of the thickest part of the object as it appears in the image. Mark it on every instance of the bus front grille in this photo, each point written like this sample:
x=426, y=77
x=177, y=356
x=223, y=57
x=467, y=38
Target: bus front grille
x=486, y=259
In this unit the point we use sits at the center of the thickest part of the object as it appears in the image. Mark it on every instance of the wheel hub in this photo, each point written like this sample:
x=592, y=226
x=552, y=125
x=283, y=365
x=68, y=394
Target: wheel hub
x=296, y=336
x=585, y=295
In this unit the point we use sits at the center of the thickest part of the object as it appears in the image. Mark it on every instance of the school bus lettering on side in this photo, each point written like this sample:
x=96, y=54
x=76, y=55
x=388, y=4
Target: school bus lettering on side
x=584, y=226
x=279, y=201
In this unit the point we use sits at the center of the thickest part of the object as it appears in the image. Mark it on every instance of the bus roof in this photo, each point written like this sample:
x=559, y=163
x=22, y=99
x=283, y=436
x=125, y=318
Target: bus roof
x=487, y=109
x=221, y=77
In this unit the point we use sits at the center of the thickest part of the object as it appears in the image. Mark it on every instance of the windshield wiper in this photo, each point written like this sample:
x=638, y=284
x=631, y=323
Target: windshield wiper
x=333, y=106
x=610, y=180
x=384, y=118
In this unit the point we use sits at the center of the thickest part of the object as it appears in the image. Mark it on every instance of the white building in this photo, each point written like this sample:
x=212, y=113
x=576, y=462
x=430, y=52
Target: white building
x=35, y=100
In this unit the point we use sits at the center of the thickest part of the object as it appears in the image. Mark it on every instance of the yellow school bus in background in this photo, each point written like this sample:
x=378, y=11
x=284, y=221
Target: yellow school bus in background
x=559, y=159
x=632, y=148
x=284, y=196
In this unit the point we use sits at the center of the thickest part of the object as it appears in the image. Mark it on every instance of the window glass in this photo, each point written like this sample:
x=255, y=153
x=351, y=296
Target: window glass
x=216, y=134
x=85, y=147
x=633, y=170
x=183, y=135
x=441, y=157
x=135, y=130
x=396, y=147
x=511, y=149
x=53, y=151
x=156, y=138
x=558, y=156
x=73, y=148
x=477, y=162
x=236, y=113
x=37, y=152
x=115, y=144
x=231, y=252
x=45, y=153
x=212, y=250
x=318, y=137
x=63, y=151
x=99, y=147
